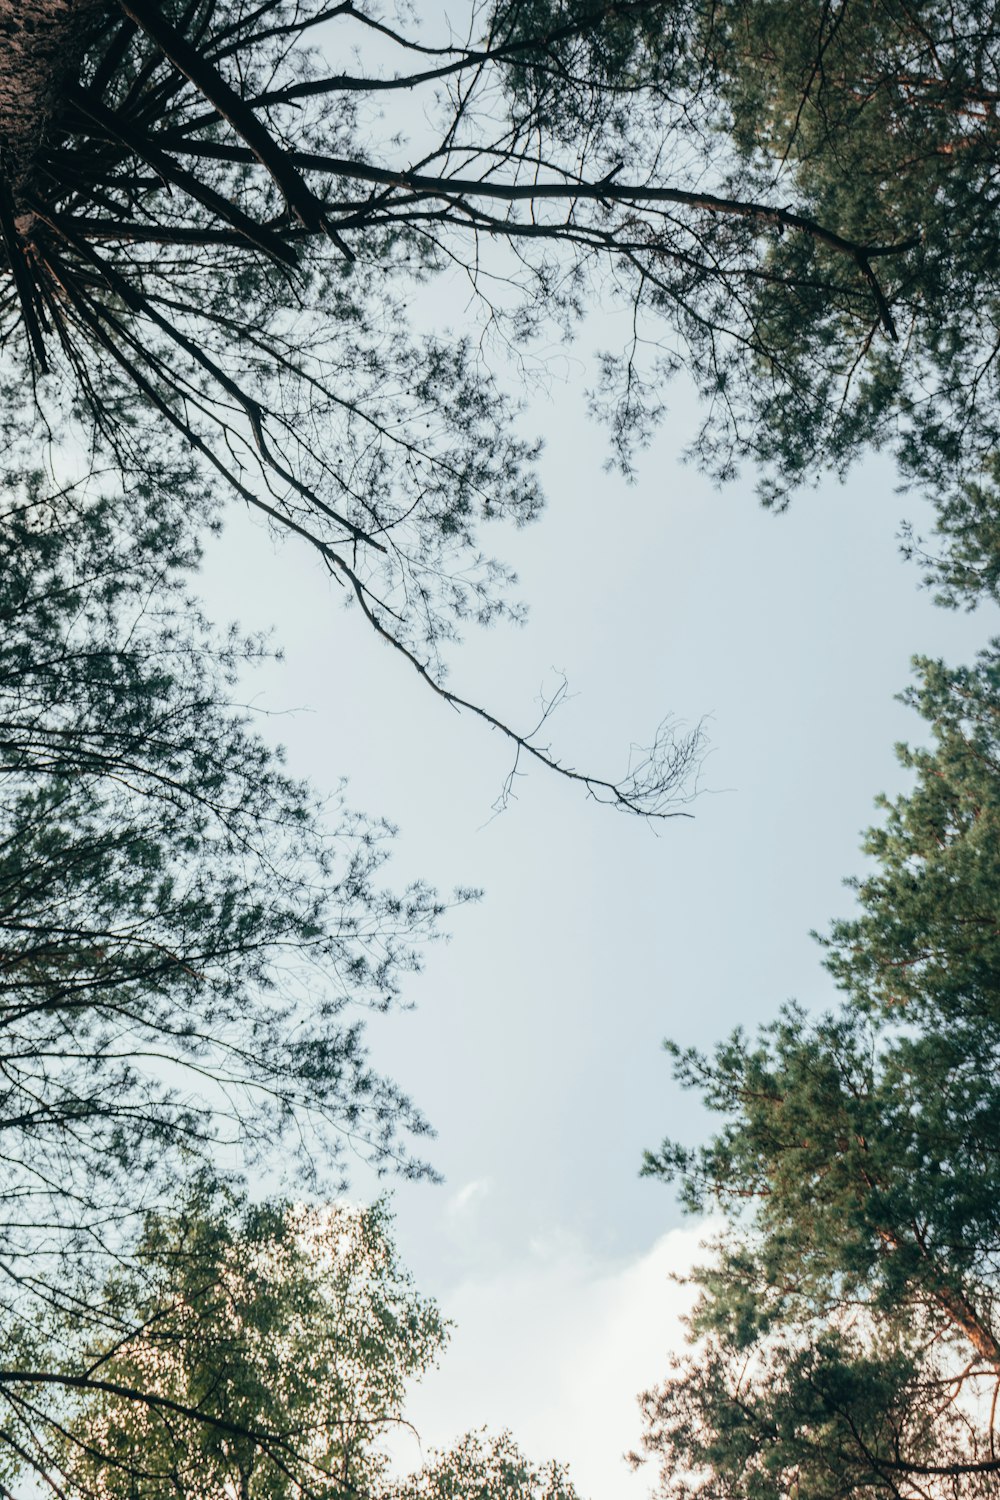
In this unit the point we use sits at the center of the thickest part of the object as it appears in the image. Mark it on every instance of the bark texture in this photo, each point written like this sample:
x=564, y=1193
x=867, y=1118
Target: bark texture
x=41, y=42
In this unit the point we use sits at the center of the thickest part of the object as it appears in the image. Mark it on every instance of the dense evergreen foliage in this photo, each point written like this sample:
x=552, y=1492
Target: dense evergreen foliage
x=848, y=1331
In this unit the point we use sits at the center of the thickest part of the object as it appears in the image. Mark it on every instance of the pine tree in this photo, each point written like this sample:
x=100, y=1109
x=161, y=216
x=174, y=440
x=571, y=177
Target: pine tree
x=189, y=939
x=849, y=1326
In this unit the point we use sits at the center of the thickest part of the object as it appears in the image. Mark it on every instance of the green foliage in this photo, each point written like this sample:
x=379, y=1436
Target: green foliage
x=850, y=1322
x=968, y=568
x=927, y=934
x=880, y=119
x=480, y=1467
x=825, y=1416
x=283, y=1338
x=574, y=65
x=877, y=123
x=792, y=200
x=188, y=939
x=264, y=1352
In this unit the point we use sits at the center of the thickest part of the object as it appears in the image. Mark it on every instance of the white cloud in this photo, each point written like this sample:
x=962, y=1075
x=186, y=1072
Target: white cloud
x=467, y=1198
x=557, y=1348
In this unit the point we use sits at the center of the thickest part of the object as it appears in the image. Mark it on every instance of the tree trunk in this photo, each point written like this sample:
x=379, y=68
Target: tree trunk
x=41, y=42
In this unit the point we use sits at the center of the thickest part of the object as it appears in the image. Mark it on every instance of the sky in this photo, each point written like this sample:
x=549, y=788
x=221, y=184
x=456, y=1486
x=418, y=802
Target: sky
x=534, y=1044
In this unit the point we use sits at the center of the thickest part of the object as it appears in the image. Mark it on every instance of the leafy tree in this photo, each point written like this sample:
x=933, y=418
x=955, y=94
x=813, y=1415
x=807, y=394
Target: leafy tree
x=926, y=937
x=264, y=1352
x=850, y=1323
x=483, y=1467
x=884, y=119
x=188, y=939
x=252, y=1351
x=875, y=122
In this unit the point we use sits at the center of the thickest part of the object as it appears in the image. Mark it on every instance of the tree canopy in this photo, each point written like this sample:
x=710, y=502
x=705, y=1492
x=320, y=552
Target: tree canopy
x=250, y=1350
x=203, y=222
x=194, y=280
x=217, y=258
x=210, y=234
x=847, y=1333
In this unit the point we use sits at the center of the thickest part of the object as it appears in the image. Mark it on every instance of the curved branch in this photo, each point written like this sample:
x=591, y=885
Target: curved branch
x=648, y=798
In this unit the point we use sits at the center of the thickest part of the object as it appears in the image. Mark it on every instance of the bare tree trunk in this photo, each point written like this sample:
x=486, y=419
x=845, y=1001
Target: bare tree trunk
x=40, y=44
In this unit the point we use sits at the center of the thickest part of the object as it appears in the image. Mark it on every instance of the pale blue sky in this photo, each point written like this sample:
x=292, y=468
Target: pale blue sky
x=535, y=1043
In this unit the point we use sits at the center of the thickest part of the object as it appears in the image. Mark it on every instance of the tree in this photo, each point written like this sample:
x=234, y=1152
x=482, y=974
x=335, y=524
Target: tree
x=188, y=938
x=875, y=122
x=790, y=200
x=250, y=1350
x=199, y=281
x=850, y=1323
x=483, y=1467
x=263, y=1352
x=883, y=119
